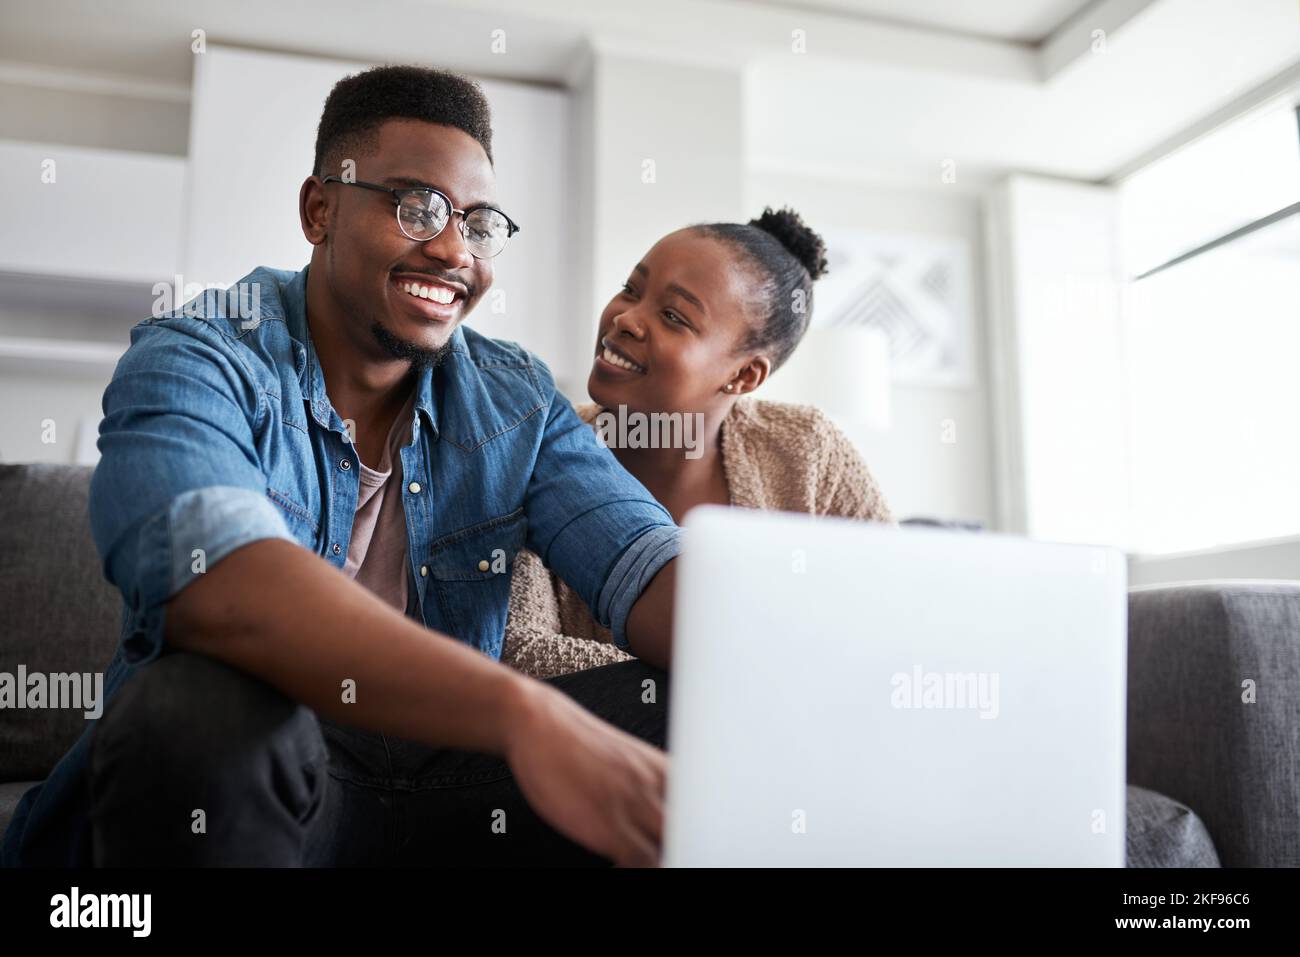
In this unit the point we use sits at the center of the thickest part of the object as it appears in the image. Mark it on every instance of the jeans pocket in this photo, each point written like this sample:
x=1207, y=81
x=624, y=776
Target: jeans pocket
x=357, y=755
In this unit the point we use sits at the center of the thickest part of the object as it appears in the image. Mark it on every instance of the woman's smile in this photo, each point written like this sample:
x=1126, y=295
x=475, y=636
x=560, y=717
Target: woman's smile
x=609, y=357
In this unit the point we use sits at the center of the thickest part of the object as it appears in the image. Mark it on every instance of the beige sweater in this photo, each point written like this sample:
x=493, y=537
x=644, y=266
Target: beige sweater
x=775, y=455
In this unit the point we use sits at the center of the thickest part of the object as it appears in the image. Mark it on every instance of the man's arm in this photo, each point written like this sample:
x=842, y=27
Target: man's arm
x=601, y=531
x=591, y=781
x=650, y=622
x=409, y=682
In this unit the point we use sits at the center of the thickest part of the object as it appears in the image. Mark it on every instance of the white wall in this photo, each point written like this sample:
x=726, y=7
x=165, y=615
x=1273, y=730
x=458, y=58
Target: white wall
x=920, y=474
x=32, y=399
x=99, y=119
x=1273, y=559
x=78, y=335
x=88, y=213
x=1056, y=327
x=81, y=243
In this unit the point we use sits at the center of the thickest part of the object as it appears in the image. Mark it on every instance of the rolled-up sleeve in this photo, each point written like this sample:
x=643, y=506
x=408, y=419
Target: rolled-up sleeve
x=590, y=521
x=179, y=485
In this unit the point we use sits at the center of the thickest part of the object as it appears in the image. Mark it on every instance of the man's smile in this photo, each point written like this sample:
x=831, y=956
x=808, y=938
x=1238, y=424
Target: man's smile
x=428, y=297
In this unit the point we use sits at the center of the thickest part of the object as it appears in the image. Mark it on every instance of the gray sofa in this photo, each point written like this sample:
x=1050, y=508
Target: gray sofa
x=1190, y=734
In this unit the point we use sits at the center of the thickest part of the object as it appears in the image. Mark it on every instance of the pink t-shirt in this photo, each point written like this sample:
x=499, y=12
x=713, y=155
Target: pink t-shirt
x=377, y=554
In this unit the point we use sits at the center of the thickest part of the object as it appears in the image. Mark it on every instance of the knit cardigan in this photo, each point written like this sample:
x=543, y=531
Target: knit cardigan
x=775, y=455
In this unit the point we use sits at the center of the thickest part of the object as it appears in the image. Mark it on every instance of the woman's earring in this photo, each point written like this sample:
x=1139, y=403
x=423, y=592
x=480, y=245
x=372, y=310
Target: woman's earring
x=729, y=387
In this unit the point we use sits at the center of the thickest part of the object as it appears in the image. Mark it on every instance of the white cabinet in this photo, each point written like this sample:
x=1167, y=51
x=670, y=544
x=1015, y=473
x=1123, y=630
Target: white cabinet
x=89, y=213
x=84, y=235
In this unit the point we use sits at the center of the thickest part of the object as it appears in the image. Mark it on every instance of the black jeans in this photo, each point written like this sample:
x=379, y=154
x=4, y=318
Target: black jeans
x=197, y=763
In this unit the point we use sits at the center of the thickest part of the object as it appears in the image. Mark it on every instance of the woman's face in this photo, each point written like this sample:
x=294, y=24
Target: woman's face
x=678, y=322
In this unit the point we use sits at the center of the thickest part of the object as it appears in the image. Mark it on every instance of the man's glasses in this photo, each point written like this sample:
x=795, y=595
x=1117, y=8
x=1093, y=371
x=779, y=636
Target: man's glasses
x=423, y=213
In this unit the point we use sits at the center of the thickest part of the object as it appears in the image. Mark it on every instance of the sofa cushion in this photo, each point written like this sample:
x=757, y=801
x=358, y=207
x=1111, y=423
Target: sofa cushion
x=60, y=615
x=1214, y=710
x=1161, y=832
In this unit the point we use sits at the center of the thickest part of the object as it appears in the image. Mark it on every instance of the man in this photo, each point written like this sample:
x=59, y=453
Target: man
x=310, y=504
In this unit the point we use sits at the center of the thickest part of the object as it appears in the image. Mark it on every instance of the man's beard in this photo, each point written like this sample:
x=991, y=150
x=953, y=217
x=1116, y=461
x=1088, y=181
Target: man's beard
x=419, y=357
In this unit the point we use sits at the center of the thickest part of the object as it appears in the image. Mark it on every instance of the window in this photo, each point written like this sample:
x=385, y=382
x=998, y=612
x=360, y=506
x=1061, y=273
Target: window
x=1211, y=235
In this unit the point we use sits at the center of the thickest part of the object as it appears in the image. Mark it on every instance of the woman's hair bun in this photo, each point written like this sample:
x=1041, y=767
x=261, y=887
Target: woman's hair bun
x=788, y=228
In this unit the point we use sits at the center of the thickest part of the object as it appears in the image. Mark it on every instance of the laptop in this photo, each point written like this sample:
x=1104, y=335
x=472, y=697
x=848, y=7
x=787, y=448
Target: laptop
x=852, y=694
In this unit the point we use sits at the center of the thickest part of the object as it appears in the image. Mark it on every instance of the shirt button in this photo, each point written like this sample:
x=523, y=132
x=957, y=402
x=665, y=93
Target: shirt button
x=483, y=565
x=344, y=464
x=415, y=488
x=424, y=571
x=336, y=548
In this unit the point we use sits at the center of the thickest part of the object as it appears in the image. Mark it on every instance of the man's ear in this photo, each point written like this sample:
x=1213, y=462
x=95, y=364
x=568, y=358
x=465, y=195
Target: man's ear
x=753, y=374
x=314, y=210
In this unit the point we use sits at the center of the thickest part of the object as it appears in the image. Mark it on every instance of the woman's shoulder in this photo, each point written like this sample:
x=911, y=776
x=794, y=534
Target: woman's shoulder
x=802, y=460
x=773, y=452
x=785, y=424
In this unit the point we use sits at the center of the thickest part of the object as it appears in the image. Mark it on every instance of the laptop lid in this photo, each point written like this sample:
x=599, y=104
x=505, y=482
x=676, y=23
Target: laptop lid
x=848, y=693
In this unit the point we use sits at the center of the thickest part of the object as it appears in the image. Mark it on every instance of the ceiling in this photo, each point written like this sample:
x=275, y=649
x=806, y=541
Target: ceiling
x=1017, y=21
x=1083, y=116
x=888, y=88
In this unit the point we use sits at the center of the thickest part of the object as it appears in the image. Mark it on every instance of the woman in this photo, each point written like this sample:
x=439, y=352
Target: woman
x=702, y=321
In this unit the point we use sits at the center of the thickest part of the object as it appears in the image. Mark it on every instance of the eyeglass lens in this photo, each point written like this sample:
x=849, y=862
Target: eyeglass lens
x=424, y=215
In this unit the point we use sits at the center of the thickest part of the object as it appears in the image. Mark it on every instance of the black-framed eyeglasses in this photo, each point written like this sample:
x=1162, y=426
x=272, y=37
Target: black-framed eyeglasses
x=423, y=212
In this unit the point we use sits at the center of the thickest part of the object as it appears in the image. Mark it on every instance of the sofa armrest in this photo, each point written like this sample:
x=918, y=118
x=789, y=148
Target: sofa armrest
x=1214, y=710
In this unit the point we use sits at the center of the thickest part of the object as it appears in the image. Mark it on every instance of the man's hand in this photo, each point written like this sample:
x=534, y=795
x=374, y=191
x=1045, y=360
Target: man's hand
x=594, y=783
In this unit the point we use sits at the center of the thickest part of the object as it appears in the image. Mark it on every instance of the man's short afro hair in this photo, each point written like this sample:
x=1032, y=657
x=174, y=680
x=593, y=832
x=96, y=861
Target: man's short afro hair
x=359, y=103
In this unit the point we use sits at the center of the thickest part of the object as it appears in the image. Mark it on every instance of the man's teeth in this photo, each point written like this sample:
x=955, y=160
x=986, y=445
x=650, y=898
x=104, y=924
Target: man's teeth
x=614, y=358
x=436, y=293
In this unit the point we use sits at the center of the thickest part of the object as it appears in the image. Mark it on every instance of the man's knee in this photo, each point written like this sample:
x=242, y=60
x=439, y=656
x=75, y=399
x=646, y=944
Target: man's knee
x=185, y=707
x=197, y=762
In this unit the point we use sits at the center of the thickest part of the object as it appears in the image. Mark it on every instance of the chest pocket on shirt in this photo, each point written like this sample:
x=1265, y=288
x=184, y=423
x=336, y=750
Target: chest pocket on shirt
x=470, y=573
x=302, y=525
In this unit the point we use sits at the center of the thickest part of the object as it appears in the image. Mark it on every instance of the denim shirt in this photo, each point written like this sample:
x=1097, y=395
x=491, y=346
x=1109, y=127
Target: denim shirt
x=217, y=432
